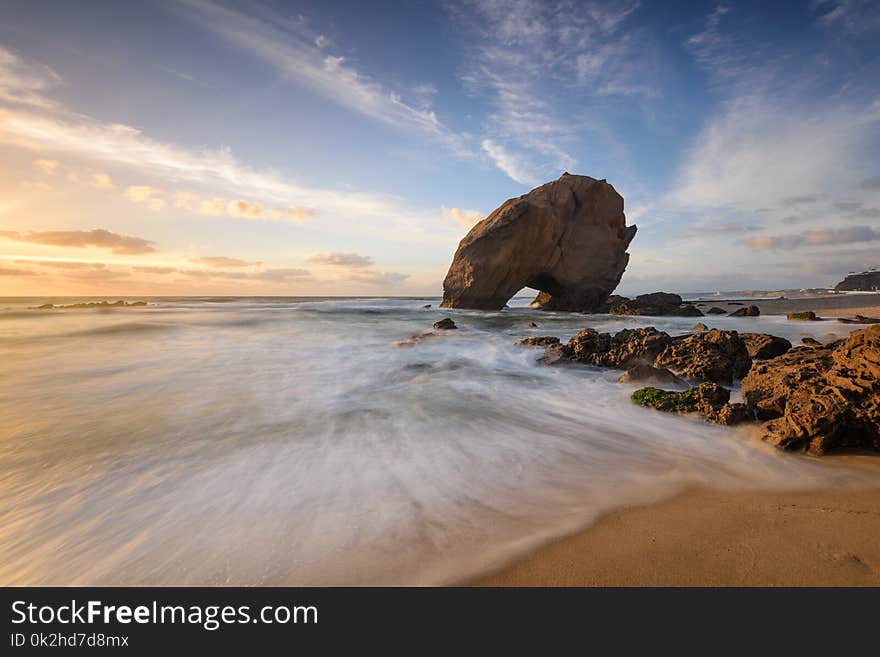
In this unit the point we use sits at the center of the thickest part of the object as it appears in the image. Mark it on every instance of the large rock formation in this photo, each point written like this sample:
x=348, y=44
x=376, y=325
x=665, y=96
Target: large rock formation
x=567, y=239
x=820, y=398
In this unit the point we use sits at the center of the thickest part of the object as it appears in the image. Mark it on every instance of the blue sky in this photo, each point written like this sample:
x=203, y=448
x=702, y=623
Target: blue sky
x=346, y=147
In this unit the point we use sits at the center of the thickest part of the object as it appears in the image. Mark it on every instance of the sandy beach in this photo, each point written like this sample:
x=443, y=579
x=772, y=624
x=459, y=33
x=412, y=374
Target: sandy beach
x=834, y=305
x=714, y=538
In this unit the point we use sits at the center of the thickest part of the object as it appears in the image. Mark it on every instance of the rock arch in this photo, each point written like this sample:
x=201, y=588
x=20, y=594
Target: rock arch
x=567, y=239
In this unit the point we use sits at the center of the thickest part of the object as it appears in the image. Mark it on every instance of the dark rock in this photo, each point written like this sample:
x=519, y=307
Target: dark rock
x=643, y=373
x=820, y=399
x=532, y=325
x=625, y=348
x=718, y=356
x=751, y=311
x=762, y=346
x=543, y=341
x=567, y=238
x=554, y=355
x=806, y=316
x=427, y=305
x=861, y=319
x=715, y=310
x=655, y=304
x=811, y=341
x=445, y=324
x=708, y=399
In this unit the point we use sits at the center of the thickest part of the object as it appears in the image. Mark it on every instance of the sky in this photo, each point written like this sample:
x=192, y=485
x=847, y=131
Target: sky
x=344, y=148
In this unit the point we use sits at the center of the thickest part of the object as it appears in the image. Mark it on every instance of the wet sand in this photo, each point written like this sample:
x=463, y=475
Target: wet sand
x=712, y=538
x=835, y=305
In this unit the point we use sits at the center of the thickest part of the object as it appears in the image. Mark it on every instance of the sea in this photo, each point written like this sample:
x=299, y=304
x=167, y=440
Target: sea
x=307, y=441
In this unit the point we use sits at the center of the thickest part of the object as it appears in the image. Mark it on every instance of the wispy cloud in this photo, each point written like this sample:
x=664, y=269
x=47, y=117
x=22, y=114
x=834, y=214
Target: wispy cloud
x=224, y=261
x=346, y=260
x=814, y=237
x=301, y=54
x=98, y=238
x=464, y=218
x=24, y=83
x=530, y=57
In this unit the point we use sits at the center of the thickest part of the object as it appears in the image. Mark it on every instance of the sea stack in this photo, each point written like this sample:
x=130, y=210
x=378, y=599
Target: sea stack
x=567, y=239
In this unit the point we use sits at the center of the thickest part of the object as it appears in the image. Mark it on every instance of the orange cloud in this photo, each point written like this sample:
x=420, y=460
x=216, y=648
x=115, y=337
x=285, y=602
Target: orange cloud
x=99, y=237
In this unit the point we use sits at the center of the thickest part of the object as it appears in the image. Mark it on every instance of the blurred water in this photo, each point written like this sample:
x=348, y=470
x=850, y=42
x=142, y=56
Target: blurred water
x=294, y=441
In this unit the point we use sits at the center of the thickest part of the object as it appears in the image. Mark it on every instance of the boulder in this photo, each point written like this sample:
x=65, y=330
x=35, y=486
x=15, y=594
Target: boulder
x=625, y=348
x=543, y=341
x=751, y=311
x=699, y=326
x=445, y=324
x=718, y=356
x=643, y=373
x=567, y=239
x=708, y=399
x=762, y=346
x=654, y=304
x=820, y=399
x=813, y=342
x=806, y=316
x=715, y=310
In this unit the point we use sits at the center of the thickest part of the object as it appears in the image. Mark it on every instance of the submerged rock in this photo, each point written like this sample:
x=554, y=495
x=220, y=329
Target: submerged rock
x=820, y=399
x=813, y=342
x=567, y=238
x=649, y=374
x=542, y=341
x=751, y=311
x=806, y=316
x=715, y=310
x=762, y=346
x=445, y=324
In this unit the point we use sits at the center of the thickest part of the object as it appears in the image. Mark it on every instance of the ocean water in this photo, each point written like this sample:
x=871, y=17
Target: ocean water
x=260, y=441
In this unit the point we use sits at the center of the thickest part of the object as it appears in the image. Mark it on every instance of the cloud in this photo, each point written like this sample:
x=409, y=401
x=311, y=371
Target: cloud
x=277, y=275
x=464, y=218
x=222, y=261
x=536, y=60
x=65, y=264
x=49, y=167
x=870, y=183
x=852, y=16
x=378, y=278
x=97, y=180
x=347, y=260
x=24, y=83
x=99, y=238
x=723, y=228
x=155, y=270
x=510, y=163
x=146, y=195
x=11, y=271
x=812, y=237
x=800, y=200
x=293, y=48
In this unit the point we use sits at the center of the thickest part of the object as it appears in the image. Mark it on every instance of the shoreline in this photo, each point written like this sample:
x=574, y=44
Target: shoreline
x=833, y=306
x=711, y=537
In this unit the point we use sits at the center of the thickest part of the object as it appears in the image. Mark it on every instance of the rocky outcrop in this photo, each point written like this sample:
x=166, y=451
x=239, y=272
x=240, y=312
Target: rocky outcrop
x=715, y=355
x=708, y=399
x=820, y=398
x=867, y=281
x=542, y=341
x=567, y=238
x=750, y=311
x=762, y=346
x=625, y=348
x=699, y=326
x=655, y=304
x=445, y=324
x=718, y=356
